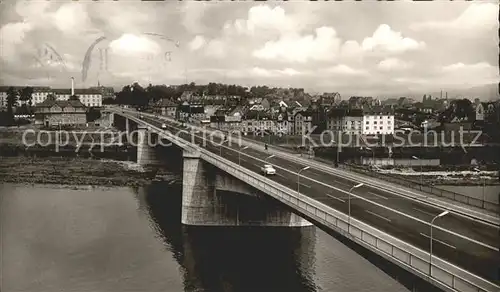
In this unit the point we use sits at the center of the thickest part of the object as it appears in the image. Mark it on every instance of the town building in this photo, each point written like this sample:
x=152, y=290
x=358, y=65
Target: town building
x=89, y=97
x=303, y=122
x=3, y=98
x=54, y=112
x=165, y=107
x=40, y=94
x=187, y=111
x=376, y=123
x=479, y=109
x=343, y=120
x=259, y=104
x=106, y=91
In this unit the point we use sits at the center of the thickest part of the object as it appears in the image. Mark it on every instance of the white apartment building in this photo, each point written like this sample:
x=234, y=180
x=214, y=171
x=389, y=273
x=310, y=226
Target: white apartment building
x=39, y=95
x=89, y=97
x=378, y=124
x=3, y=99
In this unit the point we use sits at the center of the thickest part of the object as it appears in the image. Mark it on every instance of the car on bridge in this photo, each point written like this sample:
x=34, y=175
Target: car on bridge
x=268, y=169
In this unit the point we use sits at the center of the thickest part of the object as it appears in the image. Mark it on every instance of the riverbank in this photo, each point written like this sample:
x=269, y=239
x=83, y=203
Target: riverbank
x=77, y=171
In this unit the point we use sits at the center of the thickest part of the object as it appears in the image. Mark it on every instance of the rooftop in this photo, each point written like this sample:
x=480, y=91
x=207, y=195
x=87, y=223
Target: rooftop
x=51, y=101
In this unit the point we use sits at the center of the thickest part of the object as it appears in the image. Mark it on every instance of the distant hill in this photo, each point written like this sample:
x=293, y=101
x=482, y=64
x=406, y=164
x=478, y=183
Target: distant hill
x=484, y=93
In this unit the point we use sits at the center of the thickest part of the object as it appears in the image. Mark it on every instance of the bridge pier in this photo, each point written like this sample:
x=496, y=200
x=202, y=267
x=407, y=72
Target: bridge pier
x=146, y=154
x=235, y=205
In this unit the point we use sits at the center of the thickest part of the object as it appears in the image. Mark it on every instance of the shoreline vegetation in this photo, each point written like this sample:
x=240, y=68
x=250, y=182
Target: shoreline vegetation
x=78, y=172
x=42, y=165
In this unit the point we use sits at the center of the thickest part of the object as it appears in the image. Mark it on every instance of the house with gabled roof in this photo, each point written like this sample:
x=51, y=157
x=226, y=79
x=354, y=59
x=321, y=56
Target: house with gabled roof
x=53, y=112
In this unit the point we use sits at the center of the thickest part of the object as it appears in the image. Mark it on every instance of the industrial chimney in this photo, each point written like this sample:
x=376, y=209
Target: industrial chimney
x=72, y=86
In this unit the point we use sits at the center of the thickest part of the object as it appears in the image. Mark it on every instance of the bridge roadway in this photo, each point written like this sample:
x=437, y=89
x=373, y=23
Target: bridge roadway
x=469, y=244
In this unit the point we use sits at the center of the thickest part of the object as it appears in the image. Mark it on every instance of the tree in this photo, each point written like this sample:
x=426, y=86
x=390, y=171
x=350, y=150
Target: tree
x=74, y=97
x=93, y=114
x=26, y=94
x=139, y=96
x=463, y=109
x=12, y=96
x=108, y=100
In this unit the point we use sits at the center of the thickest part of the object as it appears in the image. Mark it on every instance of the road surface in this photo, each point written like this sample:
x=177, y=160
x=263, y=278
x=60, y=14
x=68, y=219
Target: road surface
x=469, y=244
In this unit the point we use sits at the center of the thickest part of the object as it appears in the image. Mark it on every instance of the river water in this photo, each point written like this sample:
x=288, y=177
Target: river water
x=124, y=239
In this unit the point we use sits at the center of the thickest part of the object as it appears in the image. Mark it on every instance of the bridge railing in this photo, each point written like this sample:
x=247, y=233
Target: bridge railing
x=443, y=274
x=425, y=189
x=476, y=202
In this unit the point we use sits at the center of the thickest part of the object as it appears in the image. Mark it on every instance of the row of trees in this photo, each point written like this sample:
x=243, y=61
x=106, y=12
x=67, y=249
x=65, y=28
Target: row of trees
x=13, y=97
x=139, y=96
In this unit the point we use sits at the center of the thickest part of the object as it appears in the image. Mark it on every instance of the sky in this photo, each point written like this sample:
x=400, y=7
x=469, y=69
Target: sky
x=365, y=48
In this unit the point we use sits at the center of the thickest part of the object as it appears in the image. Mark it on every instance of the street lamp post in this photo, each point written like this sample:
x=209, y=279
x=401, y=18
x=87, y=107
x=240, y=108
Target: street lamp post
x=222, y=143
x=239, y=154
x=298, y=177
x=373, y=154
x=430, y=245
x=484, y=184
x=349, y=205
x=421, y=172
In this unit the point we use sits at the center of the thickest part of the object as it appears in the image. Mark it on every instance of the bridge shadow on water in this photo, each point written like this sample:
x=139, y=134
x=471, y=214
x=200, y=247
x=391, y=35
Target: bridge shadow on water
x=248, y=258
x=407, y=279
x=233, y=258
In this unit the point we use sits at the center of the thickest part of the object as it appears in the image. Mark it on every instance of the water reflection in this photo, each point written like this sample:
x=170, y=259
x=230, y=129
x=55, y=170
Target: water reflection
x=119, y=239
x=236, y=259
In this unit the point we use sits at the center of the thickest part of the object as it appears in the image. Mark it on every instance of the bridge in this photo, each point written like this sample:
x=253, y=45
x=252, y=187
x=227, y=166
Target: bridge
x=452, y=247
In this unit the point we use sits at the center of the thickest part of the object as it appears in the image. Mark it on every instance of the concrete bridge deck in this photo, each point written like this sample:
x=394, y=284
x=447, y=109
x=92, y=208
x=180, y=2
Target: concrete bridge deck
x=467, y=243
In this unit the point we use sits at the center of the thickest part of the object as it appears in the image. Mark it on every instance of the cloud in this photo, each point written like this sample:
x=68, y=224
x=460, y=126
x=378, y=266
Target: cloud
x=11, y=35
x=394, y=64
x=256, y=71
x=386, y=40
x=470, y=74
x=313, y=46
x=457, y=75
x=216, y=48
x=323, y=46
x=477, y=17
x=71, y=18
x=192, y=15
x=132, y=44
x=342, y=69
x=261, y=19
x=197, y=42
x=463, y=67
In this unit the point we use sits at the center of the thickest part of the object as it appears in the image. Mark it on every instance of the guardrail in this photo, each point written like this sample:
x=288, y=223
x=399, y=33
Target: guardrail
x=442, y=274
x=292, y=155
x=475, y=202
x=490, y=206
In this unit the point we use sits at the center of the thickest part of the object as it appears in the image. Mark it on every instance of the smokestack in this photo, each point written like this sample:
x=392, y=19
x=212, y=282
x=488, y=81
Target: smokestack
x=72, y=86
x=446, y=94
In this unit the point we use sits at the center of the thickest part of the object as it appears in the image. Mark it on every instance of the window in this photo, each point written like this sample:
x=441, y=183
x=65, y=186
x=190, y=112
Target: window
x=389, y=122
x=380, y=118
x=375, y=122
x=381, y=128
